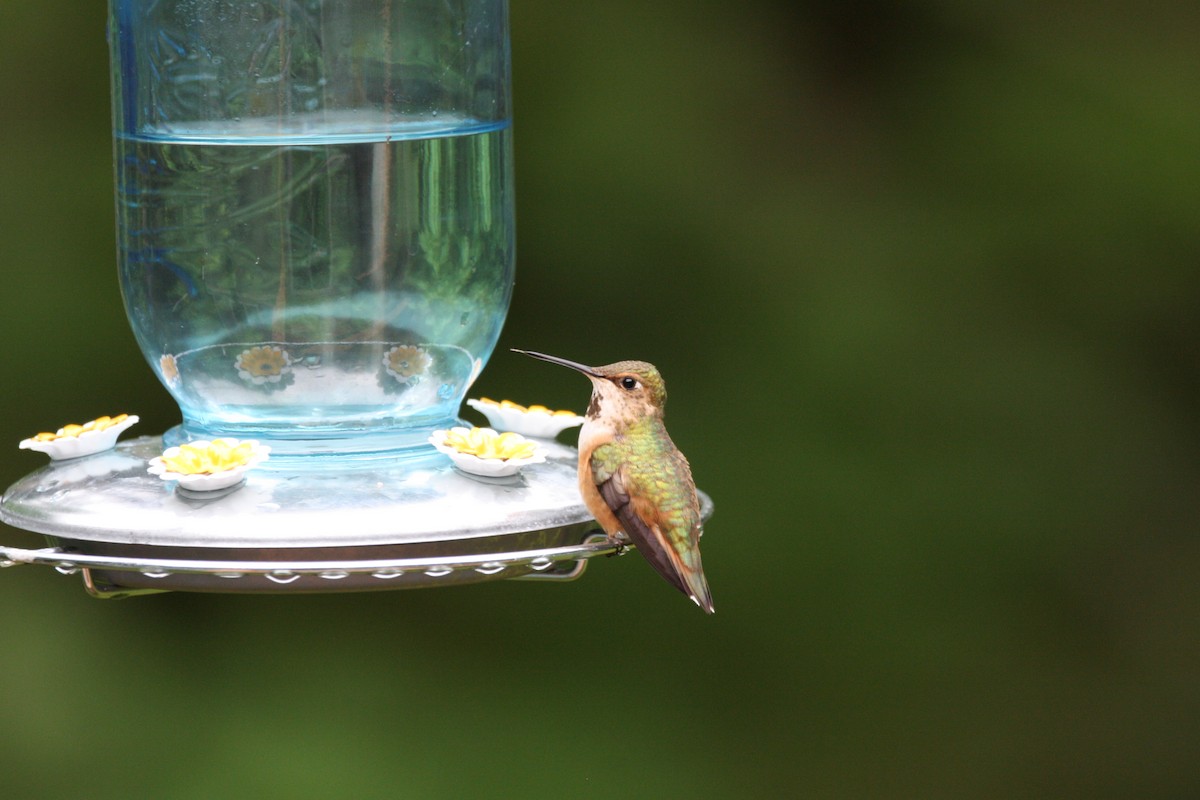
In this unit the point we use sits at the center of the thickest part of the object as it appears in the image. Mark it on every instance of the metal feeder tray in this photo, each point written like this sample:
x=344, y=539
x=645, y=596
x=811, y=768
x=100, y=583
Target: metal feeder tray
x=298, y=528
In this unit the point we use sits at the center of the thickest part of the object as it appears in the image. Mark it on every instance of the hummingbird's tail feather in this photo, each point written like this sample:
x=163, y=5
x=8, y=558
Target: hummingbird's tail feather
x=700, y=593
x=685, y=574
x=696, y=587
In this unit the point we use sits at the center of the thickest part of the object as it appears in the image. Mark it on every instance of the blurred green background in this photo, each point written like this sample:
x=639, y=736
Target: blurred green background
x=922, y=278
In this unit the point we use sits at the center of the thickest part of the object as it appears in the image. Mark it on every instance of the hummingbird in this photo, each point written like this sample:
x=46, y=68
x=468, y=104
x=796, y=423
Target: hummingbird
x=633, y=478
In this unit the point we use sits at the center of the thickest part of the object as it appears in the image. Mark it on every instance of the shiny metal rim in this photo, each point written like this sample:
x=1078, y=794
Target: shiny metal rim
x=283, y=572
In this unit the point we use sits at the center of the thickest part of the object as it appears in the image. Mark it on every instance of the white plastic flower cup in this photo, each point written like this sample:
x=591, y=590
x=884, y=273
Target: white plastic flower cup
x=537, y=424
x=484, y=467
x=85, y=444
x=209, y=481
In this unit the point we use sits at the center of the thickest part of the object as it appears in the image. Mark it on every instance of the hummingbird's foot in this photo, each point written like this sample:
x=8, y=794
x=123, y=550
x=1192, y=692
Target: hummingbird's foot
x=621, y=544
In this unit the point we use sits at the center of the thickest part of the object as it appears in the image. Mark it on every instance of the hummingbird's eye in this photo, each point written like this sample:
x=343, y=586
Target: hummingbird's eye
x=629, y=383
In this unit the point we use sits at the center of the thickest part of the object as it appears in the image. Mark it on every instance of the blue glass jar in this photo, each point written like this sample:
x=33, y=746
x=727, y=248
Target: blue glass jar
x=314, y=211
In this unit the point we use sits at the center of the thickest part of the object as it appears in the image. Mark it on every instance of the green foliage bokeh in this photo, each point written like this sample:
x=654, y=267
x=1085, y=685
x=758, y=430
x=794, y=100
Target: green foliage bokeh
x=922, y=279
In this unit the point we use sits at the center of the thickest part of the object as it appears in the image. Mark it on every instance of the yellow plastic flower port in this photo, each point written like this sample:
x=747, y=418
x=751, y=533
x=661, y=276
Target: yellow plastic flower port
x=75, y=441
x=207, y=466
x=483, y=451
x=535, y=420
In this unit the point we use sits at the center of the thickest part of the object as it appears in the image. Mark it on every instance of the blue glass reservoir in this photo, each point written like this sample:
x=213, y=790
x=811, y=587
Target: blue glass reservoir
x=314, y=211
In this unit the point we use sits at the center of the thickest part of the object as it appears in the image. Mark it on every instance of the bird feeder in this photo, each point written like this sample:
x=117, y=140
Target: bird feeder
x=315, y=246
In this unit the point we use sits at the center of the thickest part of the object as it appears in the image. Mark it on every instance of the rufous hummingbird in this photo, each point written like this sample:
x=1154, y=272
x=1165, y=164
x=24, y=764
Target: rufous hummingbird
x=633, y=478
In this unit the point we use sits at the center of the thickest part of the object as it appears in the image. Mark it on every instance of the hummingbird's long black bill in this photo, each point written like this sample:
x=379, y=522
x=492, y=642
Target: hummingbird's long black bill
x=586, y=370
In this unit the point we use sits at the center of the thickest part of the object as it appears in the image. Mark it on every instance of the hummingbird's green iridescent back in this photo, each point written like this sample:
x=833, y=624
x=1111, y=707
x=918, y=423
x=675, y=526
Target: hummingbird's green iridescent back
x=647, y=482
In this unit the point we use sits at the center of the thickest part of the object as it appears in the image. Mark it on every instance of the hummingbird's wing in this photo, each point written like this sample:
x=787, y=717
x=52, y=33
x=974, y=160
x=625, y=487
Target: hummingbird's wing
x=658, y=510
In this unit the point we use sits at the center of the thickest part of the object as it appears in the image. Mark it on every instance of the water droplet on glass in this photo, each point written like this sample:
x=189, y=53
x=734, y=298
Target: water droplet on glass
x=445, y=391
